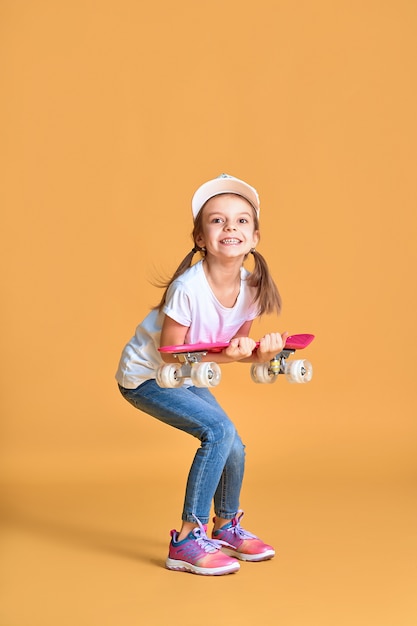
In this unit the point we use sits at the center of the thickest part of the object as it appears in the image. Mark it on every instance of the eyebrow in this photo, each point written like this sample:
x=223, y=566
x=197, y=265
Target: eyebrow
x=221, y=213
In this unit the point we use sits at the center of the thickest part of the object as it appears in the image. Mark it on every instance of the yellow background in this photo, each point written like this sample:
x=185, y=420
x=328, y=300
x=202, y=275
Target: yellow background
x=112, y=113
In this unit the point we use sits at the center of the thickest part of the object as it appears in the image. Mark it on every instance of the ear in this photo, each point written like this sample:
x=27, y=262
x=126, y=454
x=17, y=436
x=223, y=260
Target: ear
x=256, y=238
x=200, y=241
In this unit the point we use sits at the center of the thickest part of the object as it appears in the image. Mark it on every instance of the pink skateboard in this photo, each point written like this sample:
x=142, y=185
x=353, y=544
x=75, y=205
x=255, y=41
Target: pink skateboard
x=208, y=374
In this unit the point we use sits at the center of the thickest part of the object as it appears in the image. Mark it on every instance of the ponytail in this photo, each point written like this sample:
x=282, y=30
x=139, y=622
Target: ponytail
x=267, y=295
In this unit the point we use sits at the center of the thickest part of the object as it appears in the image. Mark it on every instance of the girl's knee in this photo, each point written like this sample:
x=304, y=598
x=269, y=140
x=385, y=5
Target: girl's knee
x=219, y=432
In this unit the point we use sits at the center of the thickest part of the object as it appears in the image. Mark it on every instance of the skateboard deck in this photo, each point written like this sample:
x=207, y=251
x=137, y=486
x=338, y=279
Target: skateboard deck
x=294, y=342
x=206, y=374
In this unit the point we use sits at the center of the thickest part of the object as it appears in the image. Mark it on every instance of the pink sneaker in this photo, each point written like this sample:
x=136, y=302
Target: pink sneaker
x=199, y=555
x=242, y=544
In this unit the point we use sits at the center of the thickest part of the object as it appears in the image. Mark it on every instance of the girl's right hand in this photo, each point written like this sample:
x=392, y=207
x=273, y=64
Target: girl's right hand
x=240, y=348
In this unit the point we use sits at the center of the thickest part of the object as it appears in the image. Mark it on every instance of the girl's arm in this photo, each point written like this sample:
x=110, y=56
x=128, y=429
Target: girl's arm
x=172, y=334
x=241, y=346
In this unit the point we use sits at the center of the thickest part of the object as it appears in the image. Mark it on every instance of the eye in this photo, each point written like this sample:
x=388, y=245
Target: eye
x=243, y=220
x=216, y=220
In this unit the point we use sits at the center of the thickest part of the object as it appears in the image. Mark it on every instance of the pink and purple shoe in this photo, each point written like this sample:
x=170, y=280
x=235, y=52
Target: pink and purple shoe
x=199, y=554
x=242, y=544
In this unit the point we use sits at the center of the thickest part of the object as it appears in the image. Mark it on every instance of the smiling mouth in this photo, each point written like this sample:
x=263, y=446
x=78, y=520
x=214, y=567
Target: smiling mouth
x=231, y=241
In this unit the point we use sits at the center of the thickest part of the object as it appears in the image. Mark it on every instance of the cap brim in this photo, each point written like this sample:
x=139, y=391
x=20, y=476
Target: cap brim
x=220, y=186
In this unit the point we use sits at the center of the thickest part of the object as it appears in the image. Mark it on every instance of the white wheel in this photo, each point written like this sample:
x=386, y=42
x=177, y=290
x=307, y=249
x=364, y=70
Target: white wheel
x=206, y=374
x=260, y=373
x=298, y=371
x=166, y=375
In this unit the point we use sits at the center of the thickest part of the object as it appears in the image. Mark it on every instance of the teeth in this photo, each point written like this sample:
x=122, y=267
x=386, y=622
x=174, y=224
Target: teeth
x=230, y=240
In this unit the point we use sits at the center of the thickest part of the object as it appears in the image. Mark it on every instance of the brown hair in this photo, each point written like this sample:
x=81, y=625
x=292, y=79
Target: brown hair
x=266, y=295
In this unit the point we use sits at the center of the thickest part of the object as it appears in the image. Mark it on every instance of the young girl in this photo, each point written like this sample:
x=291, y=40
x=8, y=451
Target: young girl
x=213, y=300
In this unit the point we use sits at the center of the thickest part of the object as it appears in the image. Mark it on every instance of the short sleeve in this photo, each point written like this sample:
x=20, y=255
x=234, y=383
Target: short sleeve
x=177, y=305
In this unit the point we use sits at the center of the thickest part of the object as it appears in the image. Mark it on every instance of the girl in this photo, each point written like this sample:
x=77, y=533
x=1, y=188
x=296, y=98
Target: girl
x=213, y=300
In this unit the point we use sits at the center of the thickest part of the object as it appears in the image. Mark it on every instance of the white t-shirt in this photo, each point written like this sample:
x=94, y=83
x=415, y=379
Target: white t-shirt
x=191, y=302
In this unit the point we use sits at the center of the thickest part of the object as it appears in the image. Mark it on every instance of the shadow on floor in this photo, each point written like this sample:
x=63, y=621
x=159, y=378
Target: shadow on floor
x=81, y=536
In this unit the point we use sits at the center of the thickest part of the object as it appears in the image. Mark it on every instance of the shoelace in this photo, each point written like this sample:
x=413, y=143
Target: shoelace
x=207, y=544
x=236, y=528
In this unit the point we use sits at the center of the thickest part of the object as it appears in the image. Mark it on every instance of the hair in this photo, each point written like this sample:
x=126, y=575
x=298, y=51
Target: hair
x=266, y=292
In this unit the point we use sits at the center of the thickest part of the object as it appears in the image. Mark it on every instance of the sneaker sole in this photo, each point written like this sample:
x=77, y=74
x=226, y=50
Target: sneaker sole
x=184, y=566
x=263, y=556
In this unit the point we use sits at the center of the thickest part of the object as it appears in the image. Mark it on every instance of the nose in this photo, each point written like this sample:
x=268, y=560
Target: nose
x=230, y=226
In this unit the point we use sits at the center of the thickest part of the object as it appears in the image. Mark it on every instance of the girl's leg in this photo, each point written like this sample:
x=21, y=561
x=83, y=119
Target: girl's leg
x=227, y=495
x=196, y=411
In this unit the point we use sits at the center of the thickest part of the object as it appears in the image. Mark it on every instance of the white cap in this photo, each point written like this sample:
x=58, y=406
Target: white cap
x=224, y=184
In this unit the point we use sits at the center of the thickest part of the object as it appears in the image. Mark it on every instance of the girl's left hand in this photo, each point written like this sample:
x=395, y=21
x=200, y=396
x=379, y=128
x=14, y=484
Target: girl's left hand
x=270, y=345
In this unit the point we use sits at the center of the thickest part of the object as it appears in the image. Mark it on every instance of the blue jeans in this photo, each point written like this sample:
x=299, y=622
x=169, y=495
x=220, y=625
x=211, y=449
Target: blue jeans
x=218, y=466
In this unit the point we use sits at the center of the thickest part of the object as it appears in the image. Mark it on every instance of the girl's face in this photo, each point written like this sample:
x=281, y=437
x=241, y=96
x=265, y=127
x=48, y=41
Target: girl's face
x=228, y=226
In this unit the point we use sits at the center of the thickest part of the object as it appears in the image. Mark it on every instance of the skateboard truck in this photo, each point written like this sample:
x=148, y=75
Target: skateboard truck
x=202, y=374
x=297, y=371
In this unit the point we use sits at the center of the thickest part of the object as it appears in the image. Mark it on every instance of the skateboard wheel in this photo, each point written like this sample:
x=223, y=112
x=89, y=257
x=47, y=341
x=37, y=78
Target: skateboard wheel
x=205, y=374
x=166, y=375
x=300, y=371
x=261, y=373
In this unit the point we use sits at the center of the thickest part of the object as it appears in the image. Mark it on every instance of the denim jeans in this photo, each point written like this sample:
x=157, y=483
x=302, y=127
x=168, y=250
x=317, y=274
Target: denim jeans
x=217, y=469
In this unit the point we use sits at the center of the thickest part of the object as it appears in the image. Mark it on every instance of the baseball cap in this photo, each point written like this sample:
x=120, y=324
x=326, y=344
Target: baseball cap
x=224, y=184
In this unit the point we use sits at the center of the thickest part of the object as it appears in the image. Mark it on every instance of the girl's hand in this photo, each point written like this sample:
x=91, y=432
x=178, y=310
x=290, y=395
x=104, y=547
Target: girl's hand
x=240, y=348
x=270, y=345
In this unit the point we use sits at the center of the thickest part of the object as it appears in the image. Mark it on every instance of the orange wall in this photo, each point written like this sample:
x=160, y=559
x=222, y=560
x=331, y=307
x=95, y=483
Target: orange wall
x=112, y=113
